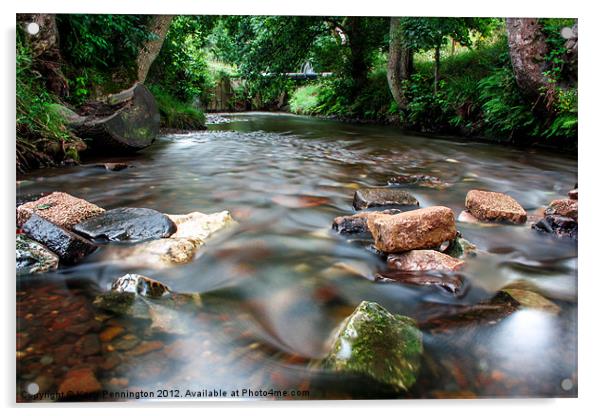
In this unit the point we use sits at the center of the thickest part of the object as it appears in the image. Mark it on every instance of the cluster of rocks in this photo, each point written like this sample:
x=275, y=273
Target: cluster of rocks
x=561, y=217
x=60, y=228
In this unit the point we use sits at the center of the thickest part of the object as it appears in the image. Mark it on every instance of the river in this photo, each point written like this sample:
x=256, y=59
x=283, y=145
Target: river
x=280, y=293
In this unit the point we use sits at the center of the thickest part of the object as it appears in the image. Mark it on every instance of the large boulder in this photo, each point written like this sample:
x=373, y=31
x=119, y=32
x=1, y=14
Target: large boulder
x=59, y=208
x=423, y=260
x=33, y=257
x=358, y=223
x=418, y=229
x=383, y=197
x=375, y=343
x=131, y=224
x=564, y=207
x=495, y=206
x=69, y=246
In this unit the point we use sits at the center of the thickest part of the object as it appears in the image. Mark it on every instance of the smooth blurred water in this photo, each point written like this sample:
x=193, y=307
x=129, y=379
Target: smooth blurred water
x=275, y=293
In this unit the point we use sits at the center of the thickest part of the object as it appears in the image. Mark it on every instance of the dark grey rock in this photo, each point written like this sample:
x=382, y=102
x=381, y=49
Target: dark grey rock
x=557, y=225
x=133, y=224
x=69, y=246
x=383, y=197
x=358, y=223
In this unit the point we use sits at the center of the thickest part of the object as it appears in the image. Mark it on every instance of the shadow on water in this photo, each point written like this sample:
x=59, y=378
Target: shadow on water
x=272, y=292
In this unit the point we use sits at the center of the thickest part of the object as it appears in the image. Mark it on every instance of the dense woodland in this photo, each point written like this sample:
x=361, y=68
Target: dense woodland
x=503, y=79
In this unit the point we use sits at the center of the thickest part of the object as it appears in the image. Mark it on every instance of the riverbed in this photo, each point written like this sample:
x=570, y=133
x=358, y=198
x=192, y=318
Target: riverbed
x=282, y=280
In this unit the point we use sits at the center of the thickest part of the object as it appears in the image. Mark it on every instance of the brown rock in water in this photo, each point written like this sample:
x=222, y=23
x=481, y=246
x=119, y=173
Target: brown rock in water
x=422, y=228
x=563, y=207
x=449, y=282
x=59, y=208
x=426, y=181
x=494, y=206
x=358, y=223
x=79, y=382
x=110, y=333
x=423, y=260
x=574, y=194
x=382, y=197
x=146, y=347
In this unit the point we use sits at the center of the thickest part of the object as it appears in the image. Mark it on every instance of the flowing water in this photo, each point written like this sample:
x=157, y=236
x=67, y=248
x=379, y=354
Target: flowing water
x=275, y=284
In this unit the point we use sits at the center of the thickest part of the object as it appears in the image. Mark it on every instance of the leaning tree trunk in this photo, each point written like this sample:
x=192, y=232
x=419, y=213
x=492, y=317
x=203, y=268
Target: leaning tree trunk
x=527, y=48
x=159, y=26
x=399, y=65
x=45, y=50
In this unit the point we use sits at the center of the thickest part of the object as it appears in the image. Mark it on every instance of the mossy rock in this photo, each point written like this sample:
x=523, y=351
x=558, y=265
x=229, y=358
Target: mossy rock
x=378, y=344
x=461, y=248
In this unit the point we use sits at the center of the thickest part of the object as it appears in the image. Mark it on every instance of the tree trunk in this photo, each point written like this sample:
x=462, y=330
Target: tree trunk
x=437, y=65
x=45, y=50
x=358, y=64
x=126, y=121
x=159, y=26
x=527, y=48
x=399, y=65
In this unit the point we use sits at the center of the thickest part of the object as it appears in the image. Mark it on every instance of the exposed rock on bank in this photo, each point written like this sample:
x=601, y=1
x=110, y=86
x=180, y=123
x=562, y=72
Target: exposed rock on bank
x=69, y=246
x=131, y=224
x=383, y=197
x=59, y=208
x=378, y=344
x=495, y=206
x=418, y=229
x=33, y=257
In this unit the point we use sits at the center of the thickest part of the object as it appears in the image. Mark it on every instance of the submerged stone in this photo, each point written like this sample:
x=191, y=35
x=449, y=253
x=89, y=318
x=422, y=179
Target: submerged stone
x=423, y=260
x=131, y=224
x=531, y=300
x=453, y=283
x=383, y=197
x=69, y=246
x=198, y=227
x=495, y=206
x=419, y=229
x=425, y=181
x=59, y=208
x=378, y=344
x=33, y=257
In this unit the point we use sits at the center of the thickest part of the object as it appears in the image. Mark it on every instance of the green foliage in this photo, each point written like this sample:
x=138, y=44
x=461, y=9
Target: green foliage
x=181, y=68
x=37, y=125
x=175, y=113
x=101, y=40
x=305, y=99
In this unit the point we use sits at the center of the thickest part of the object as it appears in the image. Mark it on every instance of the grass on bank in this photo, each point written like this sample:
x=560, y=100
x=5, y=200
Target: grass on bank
x=176, y=114
x=477, y=96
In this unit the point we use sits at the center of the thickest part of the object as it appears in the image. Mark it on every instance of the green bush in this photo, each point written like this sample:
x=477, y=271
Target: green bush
x=305, y=99
x=38, y=126
x=175, y=113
